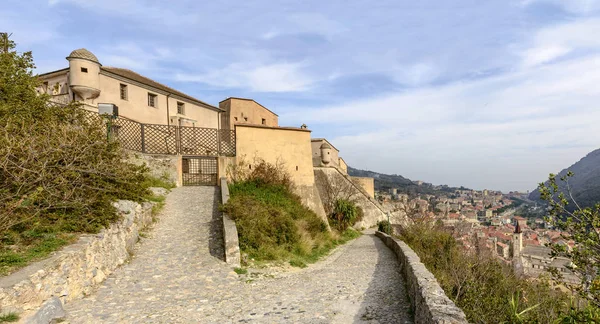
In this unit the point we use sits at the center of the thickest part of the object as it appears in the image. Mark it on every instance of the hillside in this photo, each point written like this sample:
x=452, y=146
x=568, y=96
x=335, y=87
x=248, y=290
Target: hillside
x=585, y=184
x=384, y=182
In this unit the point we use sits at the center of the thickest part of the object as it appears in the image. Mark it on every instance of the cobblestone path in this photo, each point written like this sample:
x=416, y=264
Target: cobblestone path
x=177, y=276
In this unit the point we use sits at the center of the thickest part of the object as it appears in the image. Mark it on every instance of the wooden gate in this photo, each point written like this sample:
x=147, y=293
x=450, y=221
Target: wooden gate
x=199, y=170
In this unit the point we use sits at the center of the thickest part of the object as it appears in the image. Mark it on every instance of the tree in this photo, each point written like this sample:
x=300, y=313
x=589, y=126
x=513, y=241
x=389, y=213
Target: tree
x=56, y=165
x=581, y=225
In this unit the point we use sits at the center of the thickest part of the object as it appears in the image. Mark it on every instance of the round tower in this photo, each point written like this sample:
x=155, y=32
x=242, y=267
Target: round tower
x=325, y=154
x=84, y=74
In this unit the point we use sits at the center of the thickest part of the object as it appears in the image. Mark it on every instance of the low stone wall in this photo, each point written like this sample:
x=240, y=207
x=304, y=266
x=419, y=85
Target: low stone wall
x=428, y=300
x=230, y=234
x=77, y=269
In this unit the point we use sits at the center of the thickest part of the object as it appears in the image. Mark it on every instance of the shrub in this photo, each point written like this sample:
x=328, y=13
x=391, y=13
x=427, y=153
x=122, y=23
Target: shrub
x=272, y=223
x=58, y=172
x=384, y=226
x=345, y=214
x=486, y=290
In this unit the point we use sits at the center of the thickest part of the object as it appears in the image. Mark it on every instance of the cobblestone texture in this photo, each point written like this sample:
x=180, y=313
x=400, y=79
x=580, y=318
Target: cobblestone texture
x=177, y=276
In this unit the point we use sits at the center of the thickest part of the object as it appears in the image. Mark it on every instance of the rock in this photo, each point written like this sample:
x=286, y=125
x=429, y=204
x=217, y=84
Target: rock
x=50, y=311
x=158, y=191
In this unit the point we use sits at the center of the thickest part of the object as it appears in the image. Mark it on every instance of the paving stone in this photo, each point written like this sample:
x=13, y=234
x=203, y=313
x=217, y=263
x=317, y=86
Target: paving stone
x=177, y=275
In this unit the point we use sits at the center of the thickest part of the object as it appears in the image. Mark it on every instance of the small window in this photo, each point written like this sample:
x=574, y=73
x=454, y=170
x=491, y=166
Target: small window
x=180, y=108
x=84, y=70
x=235, y=118
x=264, y=121
x=152, y=100
x=123, y=90
x=245, y=118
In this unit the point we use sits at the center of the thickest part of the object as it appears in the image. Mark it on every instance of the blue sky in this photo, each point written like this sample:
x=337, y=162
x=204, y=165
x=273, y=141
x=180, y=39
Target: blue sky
x=486, y=94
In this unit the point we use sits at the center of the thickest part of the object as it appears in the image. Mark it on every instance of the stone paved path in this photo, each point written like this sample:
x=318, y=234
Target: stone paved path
x=176, y=276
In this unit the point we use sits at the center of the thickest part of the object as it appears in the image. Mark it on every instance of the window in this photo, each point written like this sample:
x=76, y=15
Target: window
x=235, y=118
x=245, y=118
x=180, y=108
x=123, y=88
x=84, y=70
x=264, y=121
x=152, y=100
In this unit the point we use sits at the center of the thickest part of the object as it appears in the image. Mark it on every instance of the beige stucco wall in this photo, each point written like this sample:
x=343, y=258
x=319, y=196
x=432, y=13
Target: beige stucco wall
x=343, y=165
x=316, y=152
x=272, y=144
x=80, y=81
x=368, y=184
x=246, y=108
x=136, y=106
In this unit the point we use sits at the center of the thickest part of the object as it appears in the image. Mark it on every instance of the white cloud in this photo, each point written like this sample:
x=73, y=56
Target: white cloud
x=573, y=6
x=276, y=77
x=506, y=132
x=554, y=42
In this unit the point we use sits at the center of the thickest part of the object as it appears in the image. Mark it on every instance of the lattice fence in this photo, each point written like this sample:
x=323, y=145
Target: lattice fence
x=199, y=141
x=167, y=139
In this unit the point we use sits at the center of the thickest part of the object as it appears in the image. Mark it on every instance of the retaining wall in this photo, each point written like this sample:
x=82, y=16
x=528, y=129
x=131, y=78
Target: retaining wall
x=77, y=269
x=428, y=300
x=230, y=234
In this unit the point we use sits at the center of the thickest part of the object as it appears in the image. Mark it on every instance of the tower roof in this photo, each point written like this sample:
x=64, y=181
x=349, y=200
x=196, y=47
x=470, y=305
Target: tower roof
x=518, y=228
x=82, y=53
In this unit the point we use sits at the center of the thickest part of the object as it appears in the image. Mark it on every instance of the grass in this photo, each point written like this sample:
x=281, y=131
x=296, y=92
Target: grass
x=10, y=317
x=35, y=240
x=33, y=245
x=274, y=226
x=240, y=271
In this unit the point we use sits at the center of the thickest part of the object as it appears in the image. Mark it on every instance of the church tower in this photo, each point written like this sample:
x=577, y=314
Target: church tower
x=517, y=247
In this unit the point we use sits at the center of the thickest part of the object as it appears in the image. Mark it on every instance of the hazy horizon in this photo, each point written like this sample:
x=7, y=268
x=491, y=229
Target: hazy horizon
x=491, y=94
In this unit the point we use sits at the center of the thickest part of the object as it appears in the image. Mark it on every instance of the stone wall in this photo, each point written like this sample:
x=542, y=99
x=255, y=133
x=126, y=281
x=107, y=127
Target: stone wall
x=372, y=211
x=428, y=300
x=161, y=166
x=230, y=233
x=77, y=269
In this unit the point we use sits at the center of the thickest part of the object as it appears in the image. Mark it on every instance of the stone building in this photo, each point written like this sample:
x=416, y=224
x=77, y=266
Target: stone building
x=138, y=98
x=533, y=260
x=246, y=111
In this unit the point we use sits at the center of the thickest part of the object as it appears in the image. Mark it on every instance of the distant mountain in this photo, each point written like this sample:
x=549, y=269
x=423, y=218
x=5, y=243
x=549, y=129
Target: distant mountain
x=385, y=182
x=585, y=184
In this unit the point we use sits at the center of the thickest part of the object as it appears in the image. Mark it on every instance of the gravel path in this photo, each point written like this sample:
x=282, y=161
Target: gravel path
x=177, y=276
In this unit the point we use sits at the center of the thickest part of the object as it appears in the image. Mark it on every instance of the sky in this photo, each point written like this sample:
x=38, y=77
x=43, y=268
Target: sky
x=486, y=94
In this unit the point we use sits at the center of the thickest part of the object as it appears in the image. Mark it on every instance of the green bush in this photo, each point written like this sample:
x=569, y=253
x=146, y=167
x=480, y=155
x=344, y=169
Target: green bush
x=384, y=226
x=58, y=172
x=272, y=223
x=345, y=214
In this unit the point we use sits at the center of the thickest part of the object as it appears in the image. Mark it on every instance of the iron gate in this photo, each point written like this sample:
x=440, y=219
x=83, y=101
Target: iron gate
x=199, y=170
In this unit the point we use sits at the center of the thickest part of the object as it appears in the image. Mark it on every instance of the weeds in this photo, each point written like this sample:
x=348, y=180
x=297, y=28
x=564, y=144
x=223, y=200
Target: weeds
x=10, y=317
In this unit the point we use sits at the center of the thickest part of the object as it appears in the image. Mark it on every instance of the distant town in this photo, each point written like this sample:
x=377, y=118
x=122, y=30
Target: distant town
x=509, y=226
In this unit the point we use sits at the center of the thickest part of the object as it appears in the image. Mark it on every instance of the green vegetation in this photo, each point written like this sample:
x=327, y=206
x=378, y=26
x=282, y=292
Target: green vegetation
x=384, y=226
x=240, y=271
x=345, y=214
x=58, y=173
x=486, y=290
x=10, y=317
x=272, y=223
x=581, y=225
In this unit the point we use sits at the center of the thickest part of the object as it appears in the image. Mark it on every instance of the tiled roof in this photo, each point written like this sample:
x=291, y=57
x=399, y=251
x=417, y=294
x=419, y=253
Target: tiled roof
x=83, y=54
x=142, y=79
